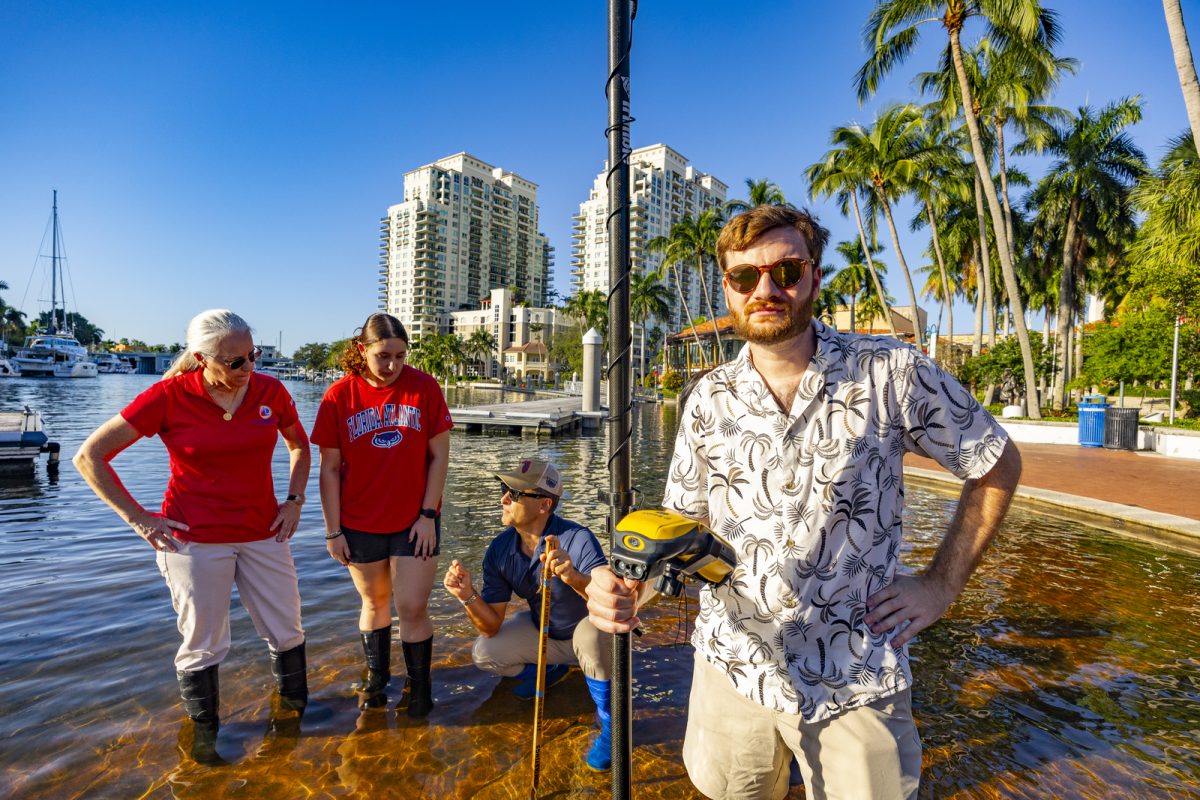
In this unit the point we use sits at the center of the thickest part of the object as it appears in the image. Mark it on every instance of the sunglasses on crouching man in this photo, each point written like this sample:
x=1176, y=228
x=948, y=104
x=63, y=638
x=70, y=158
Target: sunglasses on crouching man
x=786, y=272
x=517, y=494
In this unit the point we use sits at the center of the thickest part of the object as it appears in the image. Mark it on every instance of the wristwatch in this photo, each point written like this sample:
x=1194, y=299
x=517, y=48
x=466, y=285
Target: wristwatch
x=298, y=499
x=474, y=596
x=430, y=513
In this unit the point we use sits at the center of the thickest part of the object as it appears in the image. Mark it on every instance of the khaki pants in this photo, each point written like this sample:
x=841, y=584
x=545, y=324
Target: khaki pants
x=736, y=748
x=516, y=644
x=201, y=579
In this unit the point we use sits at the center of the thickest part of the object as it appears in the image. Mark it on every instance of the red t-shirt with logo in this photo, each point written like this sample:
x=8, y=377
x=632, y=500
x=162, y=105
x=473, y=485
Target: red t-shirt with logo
x=221, y=483
x=383, y=433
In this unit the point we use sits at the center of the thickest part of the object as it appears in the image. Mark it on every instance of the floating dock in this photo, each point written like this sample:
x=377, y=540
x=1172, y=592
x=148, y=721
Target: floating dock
x=22, y=440
x=553, y=416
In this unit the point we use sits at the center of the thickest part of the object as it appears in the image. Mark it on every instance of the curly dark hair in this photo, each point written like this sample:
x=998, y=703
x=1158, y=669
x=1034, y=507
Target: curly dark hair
x=378, y=326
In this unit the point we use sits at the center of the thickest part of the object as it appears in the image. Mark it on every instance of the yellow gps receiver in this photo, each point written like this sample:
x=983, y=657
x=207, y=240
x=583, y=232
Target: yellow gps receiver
x=668, y=547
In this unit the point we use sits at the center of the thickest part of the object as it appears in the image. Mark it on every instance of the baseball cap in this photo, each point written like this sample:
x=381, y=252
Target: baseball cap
x=534, y=475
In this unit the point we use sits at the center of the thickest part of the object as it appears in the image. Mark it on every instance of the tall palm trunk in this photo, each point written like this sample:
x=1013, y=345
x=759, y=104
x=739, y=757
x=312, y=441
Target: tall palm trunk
x=1066, y=305
x=688, y=312
x=947, y=294
x=918, y=336
x=977, y=341
x=1002, y=244
x=712, y=314
x=1008, y=221
x=642, y=357
x=1184, y=64
x=862, y=239
x=989, y=315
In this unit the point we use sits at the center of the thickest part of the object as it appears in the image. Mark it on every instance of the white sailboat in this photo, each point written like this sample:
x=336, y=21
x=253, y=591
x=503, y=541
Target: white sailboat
x=55, y=352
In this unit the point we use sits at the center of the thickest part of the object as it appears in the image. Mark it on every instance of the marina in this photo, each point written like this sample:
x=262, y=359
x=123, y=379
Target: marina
x=1067, y=669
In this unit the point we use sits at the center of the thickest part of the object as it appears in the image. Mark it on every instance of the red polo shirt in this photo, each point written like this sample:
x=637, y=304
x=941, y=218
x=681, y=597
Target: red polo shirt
x=221, y=483
x=383, y=433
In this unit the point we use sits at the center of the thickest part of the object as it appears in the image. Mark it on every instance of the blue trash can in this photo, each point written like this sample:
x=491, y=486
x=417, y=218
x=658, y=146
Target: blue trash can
x=1091, y=420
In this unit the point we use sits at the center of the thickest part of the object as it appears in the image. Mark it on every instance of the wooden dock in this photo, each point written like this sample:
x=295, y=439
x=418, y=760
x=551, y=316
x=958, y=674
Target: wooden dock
x=552, y=416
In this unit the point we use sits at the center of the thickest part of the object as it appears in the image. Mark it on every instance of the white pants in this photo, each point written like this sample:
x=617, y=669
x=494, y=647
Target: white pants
x=201, y=579
x=516, y=644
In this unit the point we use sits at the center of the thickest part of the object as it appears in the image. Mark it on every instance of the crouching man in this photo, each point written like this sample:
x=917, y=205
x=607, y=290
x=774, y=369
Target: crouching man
x=512, y=566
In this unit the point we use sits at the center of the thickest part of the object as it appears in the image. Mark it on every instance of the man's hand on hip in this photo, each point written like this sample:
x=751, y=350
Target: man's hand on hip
x=917, y=600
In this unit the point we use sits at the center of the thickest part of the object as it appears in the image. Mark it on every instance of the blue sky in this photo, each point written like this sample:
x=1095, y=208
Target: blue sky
x=241, y=155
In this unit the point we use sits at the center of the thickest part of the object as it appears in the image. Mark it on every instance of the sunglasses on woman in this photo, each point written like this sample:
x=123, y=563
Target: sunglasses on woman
x=237, y=363
x=786, y=272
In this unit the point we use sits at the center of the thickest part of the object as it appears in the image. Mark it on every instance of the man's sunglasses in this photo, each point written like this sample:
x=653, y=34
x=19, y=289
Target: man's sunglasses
x=517, y=494
x=786, y=272
x=239, y=362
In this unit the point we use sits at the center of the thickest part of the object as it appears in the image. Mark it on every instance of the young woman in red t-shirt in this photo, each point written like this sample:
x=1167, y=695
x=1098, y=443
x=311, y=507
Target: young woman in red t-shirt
x=384, y=433
x=221, y=522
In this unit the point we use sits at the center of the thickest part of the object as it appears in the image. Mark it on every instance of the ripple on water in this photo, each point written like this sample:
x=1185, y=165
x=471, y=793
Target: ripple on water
x=1067, y=669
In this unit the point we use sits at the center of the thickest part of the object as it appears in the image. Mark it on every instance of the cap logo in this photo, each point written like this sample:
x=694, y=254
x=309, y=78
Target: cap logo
x=550, y=482
x=525, y=466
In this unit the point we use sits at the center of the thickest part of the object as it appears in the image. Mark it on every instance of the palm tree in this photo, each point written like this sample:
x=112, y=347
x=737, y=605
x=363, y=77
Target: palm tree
x=1097, y=165
x=647, y=298
x=677, y=248
x=835, y=175
x=891, y=33
x=943, y=175
x=697, y=238
x=576, y=308
x=854, y=279
x=14, y=325
x=1184, y=64
x=761, y=193
x=888, y=158
x=1008, y=83
x=1166, y=256
x=479, y=346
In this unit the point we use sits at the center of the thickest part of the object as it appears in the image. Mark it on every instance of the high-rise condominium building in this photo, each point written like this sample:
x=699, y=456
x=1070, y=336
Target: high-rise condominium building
x=464, y=228
x=663, y=189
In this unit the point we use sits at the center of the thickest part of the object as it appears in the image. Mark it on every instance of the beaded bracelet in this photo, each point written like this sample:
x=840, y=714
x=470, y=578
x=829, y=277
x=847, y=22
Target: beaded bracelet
x=333, y=535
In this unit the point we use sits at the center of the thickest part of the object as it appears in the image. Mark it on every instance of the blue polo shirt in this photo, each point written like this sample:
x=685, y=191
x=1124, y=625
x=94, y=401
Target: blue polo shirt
x=507, y=571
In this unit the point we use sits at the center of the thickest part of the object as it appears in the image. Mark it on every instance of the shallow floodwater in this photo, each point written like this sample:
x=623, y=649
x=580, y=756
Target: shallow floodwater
x=1070, y=667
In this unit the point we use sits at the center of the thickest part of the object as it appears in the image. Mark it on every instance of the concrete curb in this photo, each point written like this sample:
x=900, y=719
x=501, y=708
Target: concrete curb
x=1100, y=513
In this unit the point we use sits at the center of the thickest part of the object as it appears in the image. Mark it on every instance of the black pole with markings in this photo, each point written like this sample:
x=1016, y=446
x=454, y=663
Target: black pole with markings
x=620, y=395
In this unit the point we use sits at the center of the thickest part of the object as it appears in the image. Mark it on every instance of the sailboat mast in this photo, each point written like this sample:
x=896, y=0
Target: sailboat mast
x=54, y=269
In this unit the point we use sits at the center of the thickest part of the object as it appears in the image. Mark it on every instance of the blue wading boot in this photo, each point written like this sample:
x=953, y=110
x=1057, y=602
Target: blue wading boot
x=527, y=686
x=599, y=758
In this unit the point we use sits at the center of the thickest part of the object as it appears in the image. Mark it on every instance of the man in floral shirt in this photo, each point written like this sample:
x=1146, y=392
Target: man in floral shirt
x=793, y=453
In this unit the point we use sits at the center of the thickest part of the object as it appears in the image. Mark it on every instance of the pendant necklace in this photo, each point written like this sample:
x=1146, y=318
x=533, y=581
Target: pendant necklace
x=227, y=416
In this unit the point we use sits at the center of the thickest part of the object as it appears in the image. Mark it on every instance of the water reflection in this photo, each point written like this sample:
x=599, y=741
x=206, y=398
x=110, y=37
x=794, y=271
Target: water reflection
x=1070, y=668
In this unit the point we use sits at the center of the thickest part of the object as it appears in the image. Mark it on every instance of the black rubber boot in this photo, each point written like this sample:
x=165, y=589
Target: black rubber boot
x=290, y=669
x=417, y=658
x=377, y=647
x=201, y=693
x=283, y=729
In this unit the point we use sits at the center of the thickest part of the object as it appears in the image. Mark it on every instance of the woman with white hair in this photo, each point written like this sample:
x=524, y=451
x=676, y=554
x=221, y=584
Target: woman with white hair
x=221, y=522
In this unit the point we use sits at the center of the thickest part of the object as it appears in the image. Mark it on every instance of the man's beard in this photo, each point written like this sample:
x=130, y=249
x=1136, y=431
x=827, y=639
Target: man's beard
x=776, y=330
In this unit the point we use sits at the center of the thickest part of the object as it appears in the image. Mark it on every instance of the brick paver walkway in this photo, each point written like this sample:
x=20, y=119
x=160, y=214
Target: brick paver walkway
x=1144, y=480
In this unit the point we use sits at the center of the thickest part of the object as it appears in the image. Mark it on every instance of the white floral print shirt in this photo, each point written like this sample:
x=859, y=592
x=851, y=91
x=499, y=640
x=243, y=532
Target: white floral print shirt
x=811, y=500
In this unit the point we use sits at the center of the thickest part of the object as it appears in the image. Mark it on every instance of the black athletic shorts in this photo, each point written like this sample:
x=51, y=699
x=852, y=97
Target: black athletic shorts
x=367, y=548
